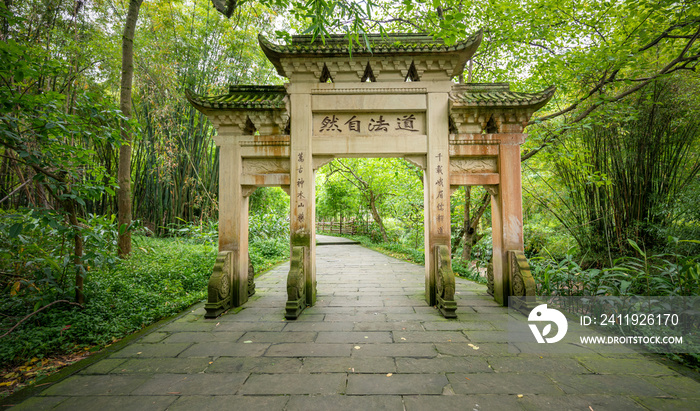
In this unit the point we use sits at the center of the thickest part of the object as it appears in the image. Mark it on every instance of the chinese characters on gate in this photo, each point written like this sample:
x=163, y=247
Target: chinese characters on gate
x=440, y=185
x=300, y=184
x=332, y=123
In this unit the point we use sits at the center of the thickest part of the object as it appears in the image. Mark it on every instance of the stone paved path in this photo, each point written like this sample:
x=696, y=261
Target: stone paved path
x=370, y=343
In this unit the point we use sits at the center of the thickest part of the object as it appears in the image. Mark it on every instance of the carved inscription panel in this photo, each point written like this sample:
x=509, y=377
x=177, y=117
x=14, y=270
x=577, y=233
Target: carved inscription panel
x=265, y=166
x=369, y=124
x=474, y=165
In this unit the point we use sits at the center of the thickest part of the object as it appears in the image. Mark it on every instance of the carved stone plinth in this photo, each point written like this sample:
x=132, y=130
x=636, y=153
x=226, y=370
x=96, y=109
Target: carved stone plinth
x=219, y=290
x=445, y=282
x=296, y=296
x=489, y=278
x=523, y=284
x=251, y=277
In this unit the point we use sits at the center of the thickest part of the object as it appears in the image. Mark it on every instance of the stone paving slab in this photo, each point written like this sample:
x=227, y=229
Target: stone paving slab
x=461, y=402
x=477, y=350
x=345, y=403
x=348, y=365
x=152, y=350
x=82, y=385
x=603, y=365
x=380, y=384
x=537, y=364
x=606, y=384
x=278, y=337
x=162, y=365
x=442, y=365
x=331, y=240
x=459, y=325
x=513, y=384
x=392, y=326
x=101, y=403
x=226, y=349
x=198, y=337
x=429, y=336
x=578, y=402
x=104, y=366
x=322, y=326
x=370, y=343
x=309, y=350
x=668, y=404
x=40, y=403
x=280, y=384
x=195, y=384
x=229, y=402
x=344, y=337
x=677, y=385
x=415, y=350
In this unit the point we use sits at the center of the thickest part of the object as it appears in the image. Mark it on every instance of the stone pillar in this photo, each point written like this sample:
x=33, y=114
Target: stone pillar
x=436, y=188
x=507, y=212
x=500, y=283
x=302, y=190
x=233, y=219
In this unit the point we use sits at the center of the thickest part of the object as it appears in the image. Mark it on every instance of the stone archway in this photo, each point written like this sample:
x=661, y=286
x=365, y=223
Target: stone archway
x=395, y=100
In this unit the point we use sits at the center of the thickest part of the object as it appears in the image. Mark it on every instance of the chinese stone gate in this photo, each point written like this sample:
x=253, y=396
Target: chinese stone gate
x=397, y=100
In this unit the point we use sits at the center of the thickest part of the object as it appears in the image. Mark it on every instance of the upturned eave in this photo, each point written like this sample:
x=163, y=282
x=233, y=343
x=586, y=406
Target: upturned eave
x=302, y=47
x=498, y=95
x=241, y=98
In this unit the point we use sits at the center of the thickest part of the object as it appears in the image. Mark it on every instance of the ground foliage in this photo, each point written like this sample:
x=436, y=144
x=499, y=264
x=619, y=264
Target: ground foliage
x=162, y=278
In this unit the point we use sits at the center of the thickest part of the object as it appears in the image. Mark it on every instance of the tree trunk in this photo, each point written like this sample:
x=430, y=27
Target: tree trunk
x=77, y=252
x=124, y=173
x=471, y=237
x=466, y=225
x=377, y=217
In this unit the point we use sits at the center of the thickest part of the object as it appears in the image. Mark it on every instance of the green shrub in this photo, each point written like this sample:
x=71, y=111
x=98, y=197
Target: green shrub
x=641, y=274
x=36, y=256
x=162, y=277
x=467, y=272
x=267, y=252
x=204, y=232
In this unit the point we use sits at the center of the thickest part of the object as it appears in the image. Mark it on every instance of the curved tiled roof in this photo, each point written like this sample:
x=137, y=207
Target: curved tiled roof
x=337, y=45
x=496, y=95
x=242, y=97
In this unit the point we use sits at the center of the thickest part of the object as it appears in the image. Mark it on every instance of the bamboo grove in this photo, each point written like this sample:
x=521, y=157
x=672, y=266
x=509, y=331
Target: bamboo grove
x=174, y=167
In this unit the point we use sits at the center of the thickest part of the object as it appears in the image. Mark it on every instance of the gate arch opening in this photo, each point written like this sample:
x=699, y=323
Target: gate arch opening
x=450, y=130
